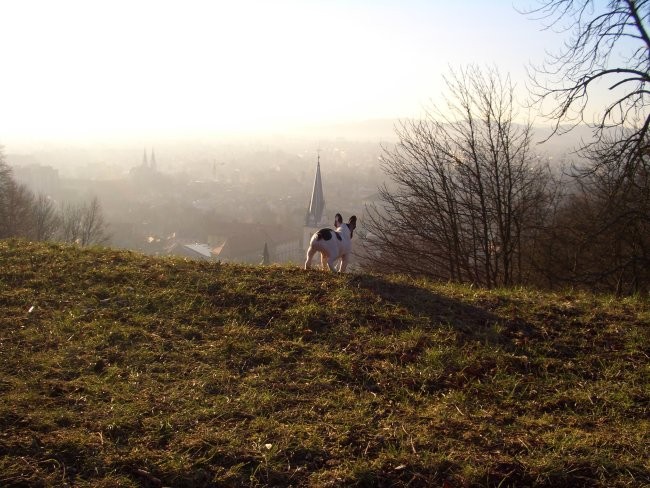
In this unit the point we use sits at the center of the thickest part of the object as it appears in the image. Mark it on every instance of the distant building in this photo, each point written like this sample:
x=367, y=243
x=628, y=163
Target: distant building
x=197, y=251
x=152, y=162
x=245, y=243
x=38, y=178
x=146, y=169
x=315, y=217
x=266, y=256
x=200, y=251
x=257, y=243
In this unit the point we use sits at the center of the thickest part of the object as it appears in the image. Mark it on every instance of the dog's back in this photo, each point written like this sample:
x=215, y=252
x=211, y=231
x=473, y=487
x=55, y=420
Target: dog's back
x=326, y=234
x=332, y=244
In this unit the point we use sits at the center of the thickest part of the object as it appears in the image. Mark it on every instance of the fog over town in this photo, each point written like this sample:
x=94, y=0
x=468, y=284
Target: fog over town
x=159, y=196
x=166, y=196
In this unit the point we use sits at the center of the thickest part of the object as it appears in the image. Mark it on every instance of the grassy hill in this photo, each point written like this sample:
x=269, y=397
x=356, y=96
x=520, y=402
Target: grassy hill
x=123, y=370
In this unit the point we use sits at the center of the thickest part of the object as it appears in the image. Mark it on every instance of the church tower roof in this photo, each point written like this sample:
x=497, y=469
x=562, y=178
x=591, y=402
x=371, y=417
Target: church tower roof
x=317, y=202
x=266, y=257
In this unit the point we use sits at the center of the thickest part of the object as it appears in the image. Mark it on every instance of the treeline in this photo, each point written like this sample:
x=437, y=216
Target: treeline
x=599, y=233
x=471, y=201
x=37, y=217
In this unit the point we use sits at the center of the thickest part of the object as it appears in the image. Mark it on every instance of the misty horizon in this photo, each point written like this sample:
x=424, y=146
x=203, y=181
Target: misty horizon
x=237, y=102
x=81, y=73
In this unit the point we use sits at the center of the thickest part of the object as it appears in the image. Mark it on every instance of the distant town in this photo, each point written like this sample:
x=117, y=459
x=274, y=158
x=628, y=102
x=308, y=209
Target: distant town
x=225, y=204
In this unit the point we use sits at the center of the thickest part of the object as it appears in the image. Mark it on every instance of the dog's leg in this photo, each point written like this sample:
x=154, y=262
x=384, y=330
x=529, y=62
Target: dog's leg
x=344, y=263
x=310, y=254
x=323, y=261
x=330, y=264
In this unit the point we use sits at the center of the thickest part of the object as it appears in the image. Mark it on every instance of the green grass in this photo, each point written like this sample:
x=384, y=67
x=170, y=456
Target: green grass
x=135, y=371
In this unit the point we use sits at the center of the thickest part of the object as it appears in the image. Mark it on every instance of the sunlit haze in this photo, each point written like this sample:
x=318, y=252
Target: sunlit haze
x=87, y=69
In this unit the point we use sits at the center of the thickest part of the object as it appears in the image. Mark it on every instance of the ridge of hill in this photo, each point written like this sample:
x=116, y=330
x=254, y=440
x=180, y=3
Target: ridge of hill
x=118, y=369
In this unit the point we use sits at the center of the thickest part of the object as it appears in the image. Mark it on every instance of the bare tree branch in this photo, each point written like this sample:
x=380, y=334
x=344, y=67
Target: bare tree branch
x=466, y=188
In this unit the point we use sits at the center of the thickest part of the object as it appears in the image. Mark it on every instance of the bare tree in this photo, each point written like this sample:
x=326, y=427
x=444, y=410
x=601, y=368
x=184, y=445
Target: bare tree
x=45, y=219
x=466, y=195
x=93, y=226
x=18, y=200
x=606, y=219
x=15, y=204
x=70, y=217
x=608, y=45
x=83, y=224
x=5, y=170
x=22, y=214
x=596, y=241
x=6, y=181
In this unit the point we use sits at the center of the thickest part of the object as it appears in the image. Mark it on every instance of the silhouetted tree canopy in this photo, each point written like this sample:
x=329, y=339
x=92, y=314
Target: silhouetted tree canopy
x=606, y=46
x=605, y=225
x=467, y=195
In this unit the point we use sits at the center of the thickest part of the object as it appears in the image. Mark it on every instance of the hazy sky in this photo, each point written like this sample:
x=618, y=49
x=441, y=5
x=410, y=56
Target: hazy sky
x=88, y=68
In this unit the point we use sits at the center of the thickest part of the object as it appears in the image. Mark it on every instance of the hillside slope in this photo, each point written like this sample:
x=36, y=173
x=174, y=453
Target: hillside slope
x=118, y=369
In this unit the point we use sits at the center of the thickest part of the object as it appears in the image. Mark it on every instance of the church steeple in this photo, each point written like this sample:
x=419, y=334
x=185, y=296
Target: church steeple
x=145, y=164
x=266, y=257
x=317, y=202
x=153, y=160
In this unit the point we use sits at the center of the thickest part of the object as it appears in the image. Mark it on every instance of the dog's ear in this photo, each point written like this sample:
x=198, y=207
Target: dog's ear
x=338, y=220
x=352, y=224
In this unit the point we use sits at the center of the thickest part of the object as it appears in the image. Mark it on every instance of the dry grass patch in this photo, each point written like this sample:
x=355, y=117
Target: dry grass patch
x=118, y=369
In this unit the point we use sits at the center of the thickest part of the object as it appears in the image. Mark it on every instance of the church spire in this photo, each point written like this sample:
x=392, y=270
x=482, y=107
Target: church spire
x=153, y=160
x=266, y=257
x=144, y=159
x=317, y=203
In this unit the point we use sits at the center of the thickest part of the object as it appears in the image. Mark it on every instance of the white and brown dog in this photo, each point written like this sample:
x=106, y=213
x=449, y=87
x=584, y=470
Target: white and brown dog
x=333, y=244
